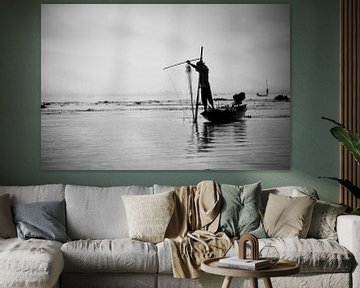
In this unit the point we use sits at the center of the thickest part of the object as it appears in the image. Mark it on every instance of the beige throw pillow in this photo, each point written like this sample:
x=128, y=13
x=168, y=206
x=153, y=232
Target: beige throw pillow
x=288, y=217
x=7, y=226
x=149, y=215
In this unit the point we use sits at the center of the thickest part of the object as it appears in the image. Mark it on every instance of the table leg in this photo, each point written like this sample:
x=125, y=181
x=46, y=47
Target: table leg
x=227, y=282
x=267, y=283
x=254, y=282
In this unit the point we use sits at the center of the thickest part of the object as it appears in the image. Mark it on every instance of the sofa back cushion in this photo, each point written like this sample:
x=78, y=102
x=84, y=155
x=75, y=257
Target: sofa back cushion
x=98, y=212
x=163, y=188
x=291, y=191
x=36, y=193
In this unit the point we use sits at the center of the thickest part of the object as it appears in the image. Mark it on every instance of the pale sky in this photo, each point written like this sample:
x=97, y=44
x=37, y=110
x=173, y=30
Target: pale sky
x=120, y=49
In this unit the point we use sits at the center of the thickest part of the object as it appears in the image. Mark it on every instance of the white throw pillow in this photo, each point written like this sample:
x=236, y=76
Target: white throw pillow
x=149, y=215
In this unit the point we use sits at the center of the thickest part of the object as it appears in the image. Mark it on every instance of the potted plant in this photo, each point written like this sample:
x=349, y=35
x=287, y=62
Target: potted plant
x=351, y=141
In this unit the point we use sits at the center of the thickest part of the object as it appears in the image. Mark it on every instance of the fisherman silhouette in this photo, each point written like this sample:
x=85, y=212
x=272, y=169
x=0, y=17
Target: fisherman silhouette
x=203, y=71
x=238, y=98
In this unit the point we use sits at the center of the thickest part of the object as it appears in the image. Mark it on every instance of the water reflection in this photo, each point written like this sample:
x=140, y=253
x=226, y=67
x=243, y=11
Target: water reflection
x=162, y=140
x=213, y=137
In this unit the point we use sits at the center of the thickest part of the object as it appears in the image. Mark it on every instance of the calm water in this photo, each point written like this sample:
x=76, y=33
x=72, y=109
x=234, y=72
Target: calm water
x=154, y=135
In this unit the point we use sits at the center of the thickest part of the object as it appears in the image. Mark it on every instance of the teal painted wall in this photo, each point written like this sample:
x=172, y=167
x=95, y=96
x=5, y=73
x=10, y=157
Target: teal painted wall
x=314, y=85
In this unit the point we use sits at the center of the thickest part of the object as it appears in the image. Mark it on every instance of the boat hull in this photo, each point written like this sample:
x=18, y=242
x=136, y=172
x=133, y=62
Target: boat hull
x=227, y=115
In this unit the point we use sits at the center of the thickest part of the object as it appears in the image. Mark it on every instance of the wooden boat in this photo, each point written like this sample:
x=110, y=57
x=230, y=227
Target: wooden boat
x=225, y=115
x=218, y=115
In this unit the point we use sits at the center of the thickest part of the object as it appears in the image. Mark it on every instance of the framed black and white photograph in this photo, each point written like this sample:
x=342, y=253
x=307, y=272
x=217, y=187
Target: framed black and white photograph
x=165, y=86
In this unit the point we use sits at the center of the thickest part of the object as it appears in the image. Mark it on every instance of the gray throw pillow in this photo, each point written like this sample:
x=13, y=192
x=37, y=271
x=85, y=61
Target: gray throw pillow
x=240, y=213
x=44, y=220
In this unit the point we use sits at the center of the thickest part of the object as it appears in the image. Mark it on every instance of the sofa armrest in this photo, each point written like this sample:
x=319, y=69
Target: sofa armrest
x=348, y=230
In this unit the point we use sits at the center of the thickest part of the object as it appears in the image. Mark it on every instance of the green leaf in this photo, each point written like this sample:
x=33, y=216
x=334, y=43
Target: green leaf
x=348, y=138
x=331, y=120
x=355, y=211
x=348, y=185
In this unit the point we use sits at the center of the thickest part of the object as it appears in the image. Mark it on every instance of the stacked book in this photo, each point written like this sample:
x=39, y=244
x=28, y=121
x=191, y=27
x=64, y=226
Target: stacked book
x=248, y=264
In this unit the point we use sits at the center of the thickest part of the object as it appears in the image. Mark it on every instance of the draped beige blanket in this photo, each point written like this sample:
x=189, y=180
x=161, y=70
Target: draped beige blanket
x=191, y=231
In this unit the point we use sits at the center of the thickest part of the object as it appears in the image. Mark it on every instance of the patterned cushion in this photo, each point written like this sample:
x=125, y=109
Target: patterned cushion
x=323, y=223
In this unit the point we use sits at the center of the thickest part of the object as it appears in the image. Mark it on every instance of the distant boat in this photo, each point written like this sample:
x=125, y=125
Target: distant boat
x=281, y=97
x=267, y=91
x=225, y=115
x=263, y=95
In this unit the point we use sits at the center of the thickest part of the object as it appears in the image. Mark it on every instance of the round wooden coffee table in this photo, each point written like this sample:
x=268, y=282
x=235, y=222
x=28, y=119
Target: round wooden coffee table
x=281, y=268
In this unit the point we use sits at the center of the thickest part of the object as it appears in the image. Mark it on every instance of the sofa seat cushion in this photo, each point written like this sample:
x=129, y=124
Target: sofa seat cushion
x=164, y=257
x=313, y=255
x=30, y=263
x=115, y=255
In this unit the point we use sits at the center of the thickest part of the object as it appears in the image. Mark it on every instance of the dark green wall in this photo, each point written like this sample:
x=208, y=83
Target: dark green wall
x=314, y=85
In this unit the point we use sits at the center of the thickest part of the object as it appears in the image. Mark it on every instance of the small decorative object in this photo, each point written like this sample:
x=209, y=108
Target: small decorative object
x=254, y=246
x=270, y=253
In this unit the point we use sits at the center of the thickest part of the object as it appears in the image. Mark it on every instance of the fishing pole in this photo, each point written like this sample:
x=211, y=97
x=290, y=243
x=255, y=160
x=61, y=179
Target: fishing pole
x=180, y=63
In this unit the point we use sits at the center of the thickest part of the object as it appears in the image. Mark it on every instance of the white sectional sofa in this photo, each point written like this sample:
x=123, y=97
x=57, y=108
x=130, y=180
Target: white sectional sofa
x=100, y=253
